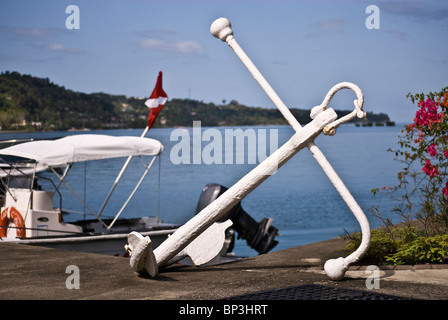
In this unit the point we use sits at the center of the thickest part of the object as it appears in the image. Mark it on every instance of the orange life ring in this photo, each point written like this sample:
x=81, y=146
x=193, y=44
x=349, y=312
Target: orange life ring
x=14, y=214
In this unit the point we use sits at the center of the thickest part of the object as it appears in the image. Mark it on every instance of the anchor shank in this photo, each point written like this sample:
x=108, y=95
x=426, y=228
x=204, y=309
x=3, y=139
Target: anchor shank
x=218, y=208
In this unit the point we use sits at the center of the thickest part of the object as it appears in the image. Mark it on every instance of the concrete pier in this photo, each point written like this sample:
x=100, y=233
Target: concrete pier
x=38, y=273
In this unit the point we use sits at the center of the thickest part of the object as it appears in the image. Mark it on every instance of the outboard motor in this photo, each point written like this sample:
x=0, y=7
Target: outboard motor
x=258, y=235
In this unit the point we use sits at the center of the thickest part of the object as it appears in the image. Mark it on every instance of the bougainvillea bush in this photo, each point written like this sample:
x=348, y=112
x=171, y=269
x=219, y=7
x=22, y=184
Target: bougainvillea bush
x=422, y=190
x=423, y=182
x=424, y=151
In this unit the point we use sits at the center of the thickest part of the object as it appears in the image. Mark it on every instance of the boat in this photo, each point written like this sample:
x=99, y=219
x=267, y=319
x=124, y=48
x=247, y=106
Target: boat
x=28, y=214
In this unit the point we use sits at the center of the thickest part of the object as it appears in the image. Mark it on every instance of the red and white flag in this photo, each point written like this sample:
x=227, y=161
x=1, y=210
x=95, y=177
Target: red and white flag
x=156, y=101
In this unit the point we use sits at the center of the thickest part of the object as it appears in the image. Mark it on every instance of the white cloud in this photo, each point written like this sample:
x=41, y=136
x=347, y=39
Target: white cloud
x=37, y=33
x=331, y=25
x=42, y=39
x=326, y=26
x=56, y=47
x=183, y=47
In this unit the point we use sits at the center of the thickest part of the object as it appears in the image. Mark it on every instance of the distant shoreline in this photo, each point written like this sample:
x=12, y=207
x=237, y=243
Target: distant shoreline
x=356, y=124
x=37, y=104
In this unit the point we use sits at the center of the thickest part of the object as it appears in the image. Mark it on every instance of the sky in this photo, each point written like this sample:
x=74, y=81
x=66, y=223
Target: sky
x=303, y=48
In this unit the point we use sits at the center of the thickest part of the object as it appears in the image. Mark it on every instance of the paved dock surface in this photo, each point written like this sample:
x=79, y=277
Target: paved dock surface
x=38, y=273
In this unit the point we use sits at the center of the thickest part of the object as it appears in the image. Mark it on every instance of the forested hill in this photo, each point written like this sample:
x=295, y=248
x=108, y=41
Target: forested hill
x=31, y=103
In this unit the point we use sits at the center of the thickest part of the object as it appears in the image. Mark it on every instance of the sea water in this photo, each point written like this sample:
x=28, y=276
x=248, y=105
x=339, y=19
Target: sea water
x=299, y=197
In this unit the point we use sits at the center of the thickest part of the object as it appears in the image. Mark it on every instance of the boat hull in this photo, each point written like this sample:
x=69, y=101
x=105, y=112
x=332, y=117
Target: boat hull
x=107, y=244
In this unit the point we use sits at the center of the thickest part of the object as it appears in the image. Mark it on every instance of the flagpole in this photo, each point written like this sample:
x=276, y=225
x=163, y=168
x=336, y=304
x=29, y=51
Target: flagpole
x=157, y=91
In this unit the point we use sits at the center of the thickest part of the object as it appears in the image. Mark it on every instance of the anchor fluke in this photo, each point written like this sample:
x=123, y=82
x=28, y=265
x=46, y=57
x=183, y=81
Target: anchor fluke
x=142, y=257
x=260, y=236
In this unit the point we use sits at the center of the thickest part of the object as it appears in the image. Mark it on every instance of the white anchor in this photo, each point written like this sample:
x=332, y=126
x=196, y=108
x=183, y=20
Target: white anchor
x=194, y=237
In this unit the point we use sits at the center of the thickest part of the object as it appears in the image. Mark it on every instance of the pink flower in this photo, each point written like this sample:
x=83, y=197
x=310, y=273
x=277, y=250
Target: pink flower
x=430, y=170
x=427, y=114
x=445, y=190
x=432, y=150
x=445, y=153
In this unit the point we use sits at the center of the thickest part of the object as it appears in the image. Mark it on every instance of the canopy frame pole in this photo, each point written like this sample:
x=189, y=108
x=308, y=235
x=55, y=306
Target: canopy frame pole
x=118, y=178
x=66, y=170
x=5, y=185
x=133, y=191
x=28, y=206
x=61, y=179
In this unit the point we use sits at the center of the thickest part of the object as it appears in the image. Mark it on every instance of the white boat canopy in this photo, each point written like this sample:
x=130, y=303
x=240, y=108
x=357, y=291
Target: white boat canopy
x=82, y=147
x=29, y=158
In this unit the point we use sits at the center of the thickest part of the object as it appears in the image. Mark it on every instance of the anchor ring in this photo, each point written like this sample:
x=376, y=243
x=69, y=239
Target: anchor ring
x=358, y=112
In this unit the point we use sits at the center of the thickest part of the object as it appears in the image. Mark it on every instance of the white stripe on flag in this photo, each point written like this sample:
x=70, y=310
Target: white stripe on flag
x=155, y=103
